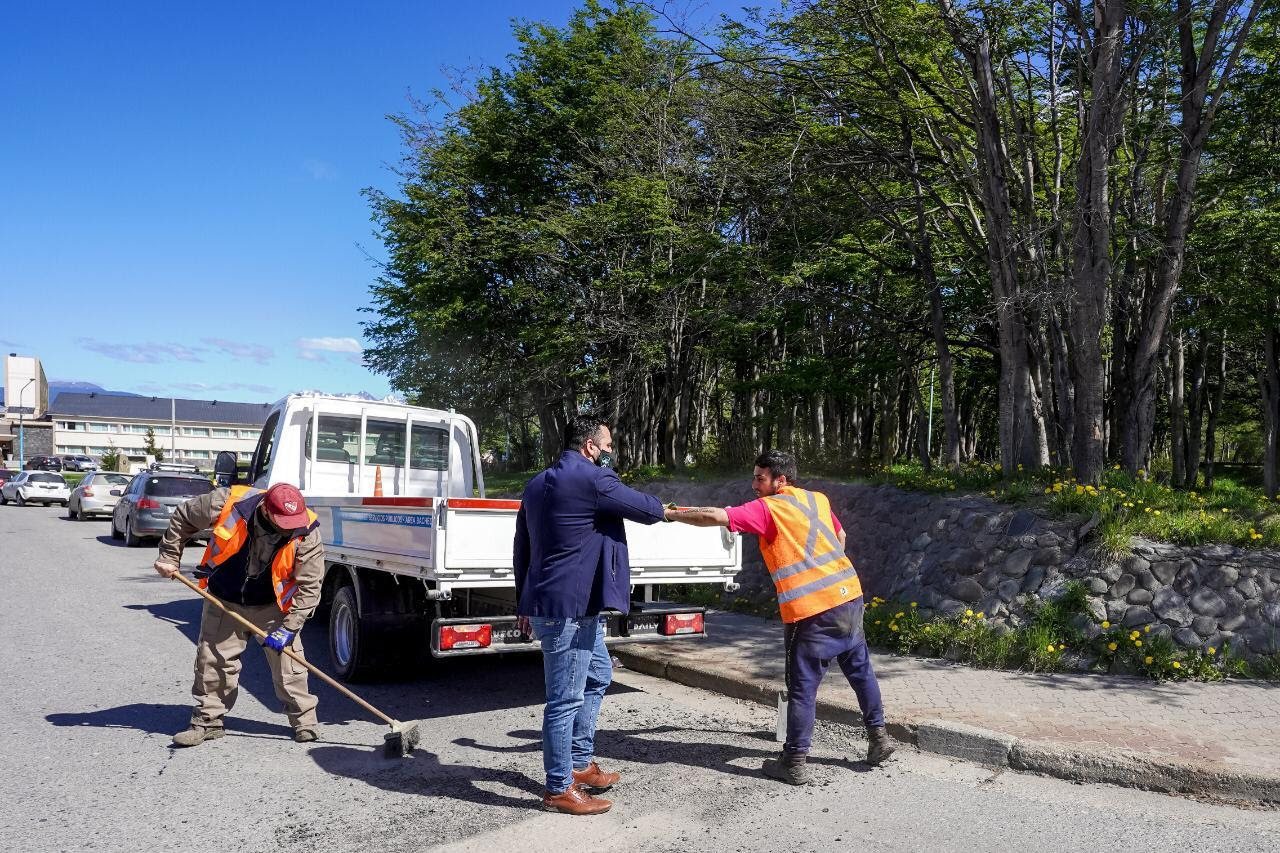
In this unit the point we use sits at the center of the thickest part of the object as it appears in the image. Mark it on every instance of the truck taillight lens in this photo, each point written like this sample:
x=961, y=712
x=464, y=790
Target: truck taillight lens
x=682, y=623
x=148, y=503
x=465, y=637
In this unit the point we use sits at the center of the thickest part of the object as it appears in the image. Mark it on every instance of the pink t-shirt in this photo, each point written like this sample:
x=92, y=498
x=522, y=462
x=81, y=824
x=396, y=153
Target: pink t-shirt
x=754, y=517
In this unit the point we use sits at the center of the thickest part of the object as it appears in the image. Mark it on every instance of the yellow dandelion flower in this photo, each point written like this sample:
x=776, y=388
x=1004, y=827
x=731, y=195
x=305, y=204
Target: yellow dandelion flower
x=1111, y=647
x=1157, y=512
x=913, y=604
x=1106, y=624
x=1177, y=665
x=1147, y=660
x=893, y=627
x=1116, y=468
x=1146, y=630
x=1212, y=650
x=968, y=613
x=1049, y=647
x=1138, y=643
x=899, y=615
x=878, y=621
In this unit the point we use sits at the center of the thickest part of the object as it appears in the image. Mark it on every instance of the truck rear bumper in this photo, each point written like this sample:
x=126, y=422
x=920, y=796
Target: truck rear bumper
x=646, y=622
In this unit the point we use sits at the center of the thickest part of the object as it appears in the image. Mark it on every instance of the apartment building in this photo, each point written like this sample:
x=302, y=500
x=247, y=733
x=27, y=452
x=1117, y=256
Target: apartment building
x=186, y=430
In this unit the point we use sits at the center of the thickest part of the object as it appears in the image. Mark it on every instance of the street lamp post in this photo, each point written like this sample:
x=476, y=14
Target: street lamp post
x=22, y=432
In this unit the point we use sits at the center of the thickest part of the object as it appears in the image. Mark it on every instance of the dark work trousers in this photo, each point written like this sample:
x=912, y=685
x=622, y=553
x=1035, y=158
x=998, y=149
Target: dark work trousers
x=812, y=644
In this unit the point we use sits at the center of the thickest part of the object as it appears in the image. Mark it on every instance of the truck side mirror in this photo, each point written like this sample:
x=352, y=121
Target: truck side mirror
x=224, y=468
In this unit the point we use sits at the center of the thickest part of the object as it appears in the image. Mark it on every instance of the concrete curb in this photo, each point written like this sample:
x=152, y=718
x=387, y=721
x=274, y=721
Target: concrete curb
x=1109, y=765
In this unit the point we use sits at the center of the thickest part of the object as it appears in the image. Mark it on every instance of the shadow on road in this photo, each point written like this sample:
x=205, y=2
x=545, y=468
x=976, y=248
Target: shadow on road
x=423, y=774
x=645, y=746
x=158, y=719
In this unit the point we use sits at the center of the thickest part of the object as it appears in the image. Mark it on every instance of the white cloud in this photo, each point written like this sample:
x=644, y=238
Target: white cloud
x=239, y=349
x=316, y=349
x=148, y=353
x=319, y=170
x=331, y=344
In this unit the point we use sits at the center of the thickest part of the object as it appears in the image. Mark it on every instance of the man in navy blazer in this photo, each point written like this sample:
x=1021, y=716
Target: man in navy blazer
x=570, y=565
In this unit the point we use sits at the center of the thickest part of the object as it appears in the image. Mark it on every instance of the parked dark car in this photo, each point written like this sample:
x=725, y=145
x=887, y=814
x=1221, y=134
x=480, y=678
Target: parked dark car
x=43, y=463
x=144, y=509
x=6, y=475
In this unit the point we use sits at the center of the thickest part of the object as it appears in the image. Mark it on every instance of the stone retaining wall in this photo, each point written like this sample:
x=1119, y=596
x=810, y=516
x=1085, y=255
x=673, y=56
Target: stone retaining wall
x=955, y=552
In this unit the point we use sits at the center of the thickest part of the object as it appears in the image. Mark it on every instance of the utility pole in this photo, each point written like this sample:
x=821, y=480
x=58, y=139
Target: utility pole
x=173, y=429
x=22, y=430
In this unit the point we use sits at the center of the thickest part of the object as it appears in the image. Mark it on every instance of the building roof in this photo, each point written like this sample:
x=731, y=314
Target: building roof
x=157, y=409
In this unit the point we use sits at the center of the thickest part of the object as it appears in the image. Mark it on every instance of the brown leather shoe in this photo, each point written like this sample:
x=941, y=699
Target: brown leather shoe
x=593, y=777
x=575, y=801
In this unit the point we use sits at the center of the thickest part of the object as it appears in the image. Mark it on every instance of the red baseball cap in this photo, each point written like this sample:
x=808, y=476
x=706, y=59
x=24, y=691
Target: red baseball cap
x=285, y=507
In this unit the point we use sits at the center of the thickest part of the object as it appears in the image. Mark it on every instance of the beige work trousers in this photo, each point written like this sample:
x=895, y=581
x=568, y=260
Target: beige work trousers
x=217, y=679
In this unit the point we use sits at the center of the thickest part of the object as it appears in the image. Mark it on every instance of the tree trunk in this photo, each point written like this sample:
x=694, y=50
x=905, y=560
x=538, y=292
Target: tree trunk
x=1177, y=407
x=1215, y=408
x=1269, y=380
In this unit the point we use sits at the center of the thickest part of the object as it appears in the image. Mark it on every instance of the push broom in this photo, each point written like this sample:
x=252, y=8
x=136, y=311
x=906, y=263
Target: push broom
x=402, y=738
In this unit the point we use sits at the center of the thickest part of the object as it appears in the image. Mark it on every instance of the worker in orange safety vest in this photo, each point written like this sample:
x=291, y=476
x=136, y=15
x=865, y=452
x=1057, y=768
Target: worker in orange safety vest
x=264, y=561
x=819, y=597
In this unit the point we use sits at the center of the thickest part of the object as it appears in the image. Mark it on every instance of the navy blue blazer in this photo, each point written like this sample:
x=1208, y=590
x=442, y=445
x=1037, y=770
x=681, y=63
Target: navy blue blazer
x=571, y=548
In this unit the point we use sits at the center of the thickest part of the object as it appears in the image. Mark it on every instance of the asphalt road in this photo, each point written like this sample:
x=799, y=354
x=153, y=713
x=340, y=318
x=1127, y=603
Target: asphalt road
x=95, y=668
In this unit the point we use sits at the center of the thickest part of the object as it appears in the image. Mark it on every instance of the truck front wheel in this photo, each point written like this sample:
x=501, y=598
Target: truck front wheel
x=349, y=649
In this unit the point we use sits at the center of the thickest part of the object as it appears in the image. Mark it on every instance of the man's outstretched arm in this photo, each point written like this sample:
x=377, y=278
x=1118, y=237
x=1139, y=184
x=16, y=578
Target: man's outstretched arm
x=699, y=516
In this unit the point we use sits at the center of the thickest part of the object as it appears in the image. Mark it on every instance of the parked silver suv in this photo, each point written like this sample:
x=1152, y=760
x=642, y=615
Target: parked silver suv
x=144, y=509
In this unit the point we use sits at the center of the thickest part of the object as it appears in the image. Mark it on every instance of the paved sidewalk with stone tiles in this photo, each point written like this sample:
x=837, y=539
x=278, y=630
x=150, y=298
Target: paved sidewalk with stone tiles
x=1231, y=725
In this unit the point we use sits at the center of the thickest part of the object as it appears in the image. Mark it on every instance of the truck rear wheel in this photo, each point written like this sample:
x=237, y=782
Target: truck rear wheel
x=350, y=649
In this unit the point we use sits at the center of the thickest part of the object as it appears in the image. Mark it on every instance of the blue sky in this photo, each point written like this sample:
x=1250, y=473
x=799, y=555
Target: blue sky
x=180, y=208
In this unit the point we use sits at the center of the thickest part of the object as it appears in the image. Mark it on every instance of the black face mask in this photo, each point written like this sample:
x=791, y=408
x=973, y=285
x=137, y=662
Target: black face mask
x=605, y=459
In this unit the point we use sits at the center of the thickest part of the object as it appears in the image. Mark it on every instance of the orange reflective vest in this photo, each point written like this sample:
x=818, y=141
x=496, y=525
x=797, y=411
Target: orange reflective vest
x=809, y=568
x=231, y=532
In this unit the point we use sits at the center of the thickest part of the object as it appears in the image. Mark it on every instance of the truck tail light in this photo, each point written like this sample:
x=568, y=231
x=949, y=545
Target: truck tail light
x=148, y=503
x=87, y=491
x=465, y=637
x=682, y=623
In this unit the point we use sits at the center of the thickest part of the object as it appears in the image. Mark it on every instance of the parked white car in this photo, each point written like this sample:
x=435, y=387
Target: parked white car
x=97, y=494
x=30, y=487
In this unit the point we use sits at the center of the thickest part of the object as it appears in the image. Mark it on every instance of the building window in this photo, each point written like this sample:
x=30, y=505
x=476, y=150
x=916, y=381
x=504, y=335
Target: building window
x=202, y=432
x=101, y=427
x=223, y=433
x=244, y=455
x=70, y=425
x=70, y=449
x=196, y=454
x=249, y=433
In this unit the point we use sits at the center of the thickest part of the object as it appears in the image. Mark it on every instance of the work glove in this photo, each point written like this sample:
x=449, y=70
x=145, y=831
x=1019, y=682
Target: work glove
x=164, y=568
x=279, y=638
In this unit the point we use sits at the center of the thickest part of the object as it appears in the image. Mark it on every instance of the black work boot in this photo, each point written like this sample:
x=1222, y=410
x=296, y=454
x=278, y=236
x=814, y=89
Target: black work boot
x=879, y=746
x=791, y=769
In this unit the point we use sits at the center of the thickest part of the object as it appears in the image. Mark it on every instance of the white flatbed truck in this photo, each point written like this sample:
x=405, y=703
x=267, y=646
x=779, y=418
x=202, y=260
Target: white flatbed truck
x=417, y=559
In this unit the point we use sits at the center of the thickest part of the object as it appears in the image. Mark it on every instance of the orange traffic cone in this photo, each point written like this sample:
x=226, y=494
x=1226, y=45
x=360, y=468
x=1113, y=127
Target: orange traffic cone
x=377, y=482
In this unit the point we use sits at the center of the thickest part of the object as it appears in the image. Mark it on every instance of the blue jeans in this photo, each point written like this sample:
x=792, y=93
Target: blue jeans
x=812, y=644
x=578, y=671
